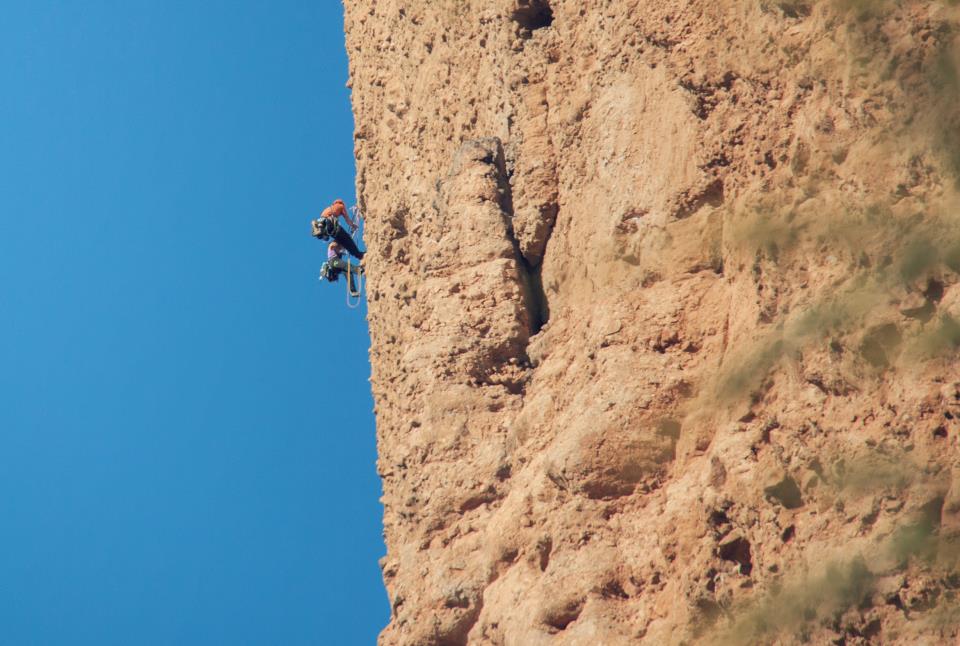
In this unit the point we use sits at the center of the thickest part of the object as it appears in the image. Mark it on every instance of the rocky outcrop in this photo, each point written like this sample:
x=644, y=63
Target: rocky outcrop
x=664, y=310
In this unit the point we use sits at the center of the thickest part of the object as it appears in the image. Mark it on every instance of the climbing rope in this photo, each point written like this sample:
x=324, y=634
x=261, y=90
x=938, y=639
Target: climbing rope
x=355, y=295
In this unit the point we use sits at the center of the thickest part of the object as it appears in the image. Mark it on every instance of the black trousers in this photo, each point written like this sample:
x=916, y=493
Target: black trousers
x=343, y=238
x=347, y=243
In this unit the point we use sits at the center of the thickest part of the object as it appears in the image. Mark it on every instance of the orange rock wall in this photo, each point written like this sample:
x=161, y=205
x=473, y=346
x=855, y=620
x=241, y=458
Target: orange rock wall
x=661, y=298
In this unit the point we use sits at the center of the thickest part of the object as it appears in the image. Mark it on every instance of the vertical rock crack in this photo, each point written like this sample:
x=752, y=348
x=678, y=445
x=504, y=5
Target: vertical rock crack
x=535, y=299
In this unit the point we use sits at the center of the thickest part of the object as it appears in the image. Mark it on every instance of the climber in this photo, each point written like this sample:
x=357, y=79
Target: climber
x=336, y=265
x=327, y=226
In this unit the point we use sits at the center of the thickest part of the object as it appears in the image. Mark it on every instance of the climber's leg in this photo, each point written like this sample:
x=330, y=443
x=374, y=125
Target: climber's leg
x=338, y=266
x=347, y=243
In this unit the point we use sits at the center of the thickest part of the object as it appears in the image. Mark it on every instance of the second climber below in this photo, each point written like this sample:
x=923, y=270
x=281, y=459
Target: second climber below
x=336, y=265
x=327, y=226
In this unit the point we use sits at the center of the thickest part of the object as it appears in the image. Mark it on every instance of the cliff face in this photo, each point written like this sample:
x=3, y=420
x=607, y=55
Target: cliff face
x=664, y=306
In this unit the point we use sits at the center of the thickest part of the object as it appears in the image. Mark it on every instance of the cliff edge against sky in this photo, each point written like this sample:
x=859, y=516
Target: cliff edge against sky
x=664, y=309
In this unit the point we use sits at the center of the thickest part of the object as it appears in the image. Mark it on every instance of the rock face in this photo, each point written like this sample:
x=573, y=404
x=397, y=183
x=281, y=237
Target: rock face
x=664, y=308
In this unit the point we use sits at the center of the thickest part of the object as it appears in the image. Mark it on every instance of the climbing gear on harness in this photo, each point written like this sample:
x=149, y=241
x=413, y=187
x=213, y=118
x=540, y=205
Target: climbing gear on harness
x=325, y=228
x=328, y=273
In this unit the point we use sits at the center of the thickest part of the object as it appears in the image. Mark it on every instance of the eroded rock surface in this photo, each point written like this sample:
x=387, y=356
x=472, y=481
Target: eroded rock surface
x=664, y=309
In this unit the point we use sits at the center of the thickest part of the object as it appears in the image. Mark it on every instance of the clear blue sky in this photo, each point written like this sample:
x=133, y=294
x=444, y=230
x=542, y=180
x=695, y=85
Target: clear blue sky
x=187, y=450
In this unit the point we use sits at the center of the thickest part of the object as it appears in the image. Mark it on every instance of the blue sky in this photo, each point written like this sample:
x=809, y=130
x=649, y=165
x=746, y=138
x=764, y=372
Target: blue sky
x=187, y=450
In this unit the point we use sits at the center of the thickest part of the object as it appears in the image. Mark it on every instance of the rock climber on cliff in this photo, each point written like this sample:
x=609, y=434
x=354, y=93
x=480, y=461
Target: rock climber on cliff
x=327, y=226
x=336, y=265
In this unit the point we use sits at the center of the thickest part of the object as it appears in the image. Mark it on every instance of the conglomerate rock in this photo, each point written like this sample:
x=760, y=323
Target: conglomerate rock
x=663, y=301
